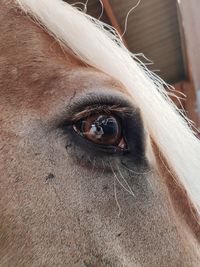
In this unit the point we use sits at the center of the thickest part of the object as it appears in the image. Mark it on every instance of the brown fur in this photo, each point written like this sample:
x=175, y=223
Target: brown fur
x=55, y=211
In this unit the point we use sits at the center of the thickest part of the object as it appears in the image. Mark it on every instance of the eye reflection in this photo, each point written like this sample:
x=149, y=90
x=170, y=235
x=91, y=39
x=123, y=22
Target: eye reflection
x=104, y=129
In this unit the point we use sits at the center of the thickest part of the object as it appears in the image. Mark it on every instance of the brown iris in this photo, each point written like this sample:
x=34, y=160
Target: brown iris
x=101, y=129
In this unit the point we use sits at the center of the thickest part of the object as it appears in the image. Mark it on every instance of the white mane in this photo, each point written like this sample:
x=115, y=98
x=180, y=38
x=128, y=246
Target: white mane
x=98, y=47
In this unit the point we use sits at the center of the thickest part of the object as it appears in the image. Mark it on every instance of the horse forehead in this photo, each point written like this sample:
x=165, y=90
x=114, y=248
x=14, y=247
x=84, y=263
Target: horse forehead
x=36, y=65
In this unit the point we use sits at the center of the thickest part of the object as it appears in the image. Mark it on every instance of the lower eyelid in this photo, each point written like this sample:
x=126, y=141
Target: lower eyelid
x=100, y=160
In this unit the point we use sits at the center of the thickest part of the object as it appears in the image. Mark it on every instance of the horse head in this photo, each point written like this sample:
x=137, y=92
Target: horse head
x=97, y=166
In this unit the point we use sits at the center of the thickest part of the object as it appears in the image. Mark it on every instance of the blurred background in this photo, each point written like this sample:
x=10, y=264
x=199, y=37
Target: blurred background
x=166, y=32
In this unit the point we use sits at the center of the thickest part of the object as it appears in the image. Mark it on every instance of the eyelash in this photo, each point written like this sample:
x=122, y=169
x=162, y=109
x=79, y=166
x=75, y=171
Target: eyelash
x=96, y=109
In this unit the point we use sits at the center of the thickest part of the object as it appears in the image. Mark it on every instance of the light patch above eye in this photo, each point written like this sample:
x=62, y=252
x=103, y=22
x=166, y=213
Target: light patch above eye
x=101, y=128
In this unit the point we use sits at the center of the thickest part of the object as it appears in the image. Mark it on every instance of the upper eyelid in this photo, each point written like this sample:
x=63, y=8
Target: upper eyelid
x=91, y=99
x=90, y=110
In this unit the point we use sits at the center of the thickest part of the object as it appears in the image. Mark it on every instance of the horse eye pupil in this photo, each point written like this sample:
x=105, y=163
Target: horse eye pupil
x=103, y=129
x=106, y=125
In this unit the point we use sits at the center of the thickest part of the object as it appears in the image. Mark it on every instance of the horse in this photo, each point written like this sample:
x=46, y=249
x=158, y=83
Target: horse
x=98, y=167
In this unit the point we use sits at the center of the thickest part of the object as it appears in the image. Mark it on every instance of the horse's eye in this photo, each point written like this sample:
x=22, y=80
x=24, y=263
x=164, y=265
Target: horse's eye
x=101, y=129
